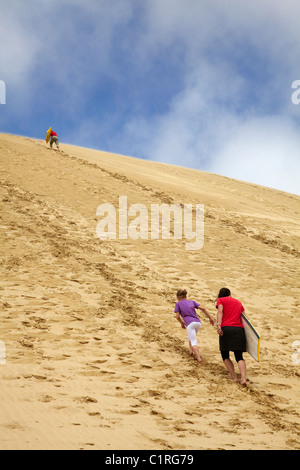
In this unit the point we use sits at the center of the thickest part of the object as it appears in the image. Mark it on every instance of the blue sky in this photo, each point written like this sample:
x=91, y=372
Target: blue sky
x=205, y=84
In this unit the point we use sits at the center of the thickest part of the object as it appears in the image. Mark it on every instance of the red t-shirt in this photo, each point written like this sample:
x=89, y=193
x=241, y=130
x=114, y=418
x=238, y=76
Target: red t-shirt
x=53, y=133
x=232, y=310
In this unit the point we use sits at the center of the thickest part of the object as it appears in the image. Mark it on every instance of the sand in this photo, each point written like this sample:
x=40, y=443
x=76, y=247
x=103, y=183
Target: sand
x=94, y=356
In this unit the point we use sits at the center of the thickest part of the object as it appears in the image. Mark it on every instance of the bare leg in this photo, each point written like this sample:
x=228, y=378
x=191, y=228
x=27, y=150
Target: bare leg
x=191, y=349
x=242, y=369
x=230, y=367
x=197, y=354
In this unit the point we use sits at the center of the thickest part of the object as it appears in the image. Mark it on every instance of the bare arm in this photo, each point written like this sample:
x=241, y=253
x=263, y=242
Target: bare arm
x=211, y=320
x=178, y=318
x=219, y=319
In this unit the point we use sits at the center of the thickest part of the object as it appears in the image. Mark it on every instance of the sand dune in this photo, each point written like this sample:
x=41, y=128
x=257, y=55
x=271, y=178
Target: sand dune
x=94, y=356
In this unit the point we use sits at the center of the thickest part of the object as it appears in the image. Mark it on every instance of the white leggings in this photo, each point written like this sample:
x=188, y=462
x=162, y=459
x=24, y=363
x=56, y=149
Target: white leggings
x=192, y=330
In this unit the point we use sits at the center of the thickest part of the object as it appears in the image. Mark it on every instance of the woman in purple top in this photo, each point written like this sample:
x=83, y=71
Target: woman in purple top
x=187, y=317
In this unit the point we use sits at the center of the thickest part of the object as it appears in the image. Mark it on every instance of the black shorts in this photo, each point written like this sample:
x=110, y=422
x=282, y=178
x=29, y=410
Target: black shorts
x=233, y=339
x=238, y=355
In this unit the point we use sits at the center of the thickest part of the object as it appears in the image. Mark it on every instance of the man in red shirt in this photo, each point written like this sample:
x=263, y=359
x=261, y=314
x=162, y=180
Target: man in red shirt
x=231, y=331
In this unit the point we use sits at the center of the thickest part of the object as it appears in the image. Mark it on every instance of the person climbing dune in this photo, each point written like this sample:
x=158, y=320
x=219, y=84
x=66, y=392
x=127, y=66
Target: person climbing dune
x=231, y=333
x=53, y=138
x=189, y=320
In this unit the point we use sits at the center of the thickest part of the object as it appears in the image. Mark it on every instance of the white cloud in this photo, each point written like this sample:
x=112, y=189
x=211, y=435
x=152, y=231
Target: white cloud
x=65, y=45
x=264, y=151
x=18, y=46
x=234, y=114
x=201, y=130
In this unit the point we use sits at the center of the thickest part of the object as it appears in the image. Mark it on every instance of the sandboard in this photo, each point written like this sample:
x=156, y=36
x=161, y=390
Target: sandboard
x=48, y=135
x=252, y=339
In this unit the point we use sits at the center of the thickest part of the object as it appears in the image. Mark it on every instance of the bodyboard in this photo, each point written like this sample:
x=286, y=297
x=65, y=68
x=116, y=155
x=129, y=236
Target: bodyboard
x=252, y=339
x=48, y=135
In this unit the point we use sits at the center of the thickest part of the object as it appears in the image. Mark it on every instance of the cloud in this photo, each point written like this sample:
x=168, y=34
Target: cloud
x=233, y=114
x=210, y=114
x=263, y=150
x=19, y=47
x=62, y=46
x=210, y=129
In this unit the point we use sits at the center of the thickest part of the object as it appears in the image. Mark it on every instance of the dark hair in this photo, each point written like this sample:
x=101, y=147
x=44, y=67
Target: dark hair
x=181, y=293
x=224, y=292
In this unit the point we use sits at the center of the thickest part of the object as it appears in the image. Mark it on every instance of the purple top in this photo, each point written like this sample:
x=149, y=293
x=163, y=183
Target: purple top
x=186, y=308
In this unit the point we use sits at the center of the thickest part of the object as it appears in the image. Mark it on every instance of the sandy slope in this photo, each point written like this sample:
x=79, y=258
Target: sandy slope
x=94, y=356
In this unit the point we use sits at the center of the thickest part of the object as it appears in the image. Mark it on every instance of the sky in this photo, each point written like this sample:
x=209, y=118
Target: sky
x=204, y=84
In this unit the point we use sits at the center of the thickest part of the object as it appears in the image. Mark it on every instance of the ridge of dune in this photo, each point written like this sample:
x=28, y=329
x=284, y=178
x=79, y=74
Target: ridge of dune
x=94, y=356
